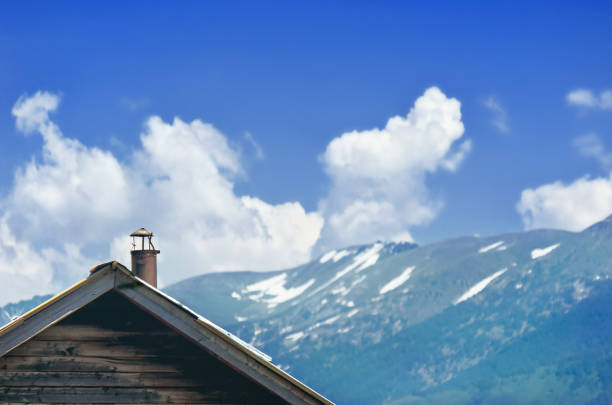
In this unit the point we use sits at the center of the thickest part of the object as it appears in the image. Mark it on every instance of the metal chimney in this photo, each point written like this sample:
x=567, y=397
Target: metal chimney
x=144, y=261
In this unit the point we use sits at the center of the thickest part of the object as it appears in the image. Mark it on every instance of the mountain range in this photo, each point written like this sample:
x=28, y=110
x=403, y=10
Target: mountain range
x=521, y=318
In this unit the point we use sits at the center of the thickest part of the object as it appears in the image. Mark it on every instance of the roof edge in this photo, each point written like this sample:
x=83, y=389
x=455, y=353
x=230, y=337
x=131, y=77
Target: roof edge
x=35, y=321
x=22, y=318
x=227, y=337
x=112, y=276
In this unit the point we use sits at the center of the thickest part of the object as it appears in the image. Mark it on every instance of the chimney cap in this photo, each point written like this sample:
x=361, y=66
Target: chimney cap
x=142, y=232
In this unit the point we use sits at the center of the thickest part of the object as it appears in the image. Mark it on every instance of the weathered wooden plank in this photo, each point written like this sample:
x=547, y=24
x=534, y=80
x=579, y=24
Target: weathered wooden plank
x=130, y=349
x=103, y=395
x=60, y=403
x=171, y=346
x=96, y=379
x=62, y=363
x=97, y=333
x=75, y=299
x=211, y=340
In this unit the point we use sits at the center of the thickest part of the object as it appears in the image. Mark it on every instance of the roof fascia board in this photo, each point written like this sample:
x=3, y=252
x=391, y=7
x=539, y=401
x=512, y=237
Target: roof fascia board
x=211, y=339
x=54, y=310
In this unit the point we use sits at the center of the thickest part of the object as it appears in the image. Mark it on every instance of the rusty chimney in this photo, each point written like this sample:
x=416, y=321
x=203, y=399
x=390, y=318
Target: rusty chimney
x=144, y=261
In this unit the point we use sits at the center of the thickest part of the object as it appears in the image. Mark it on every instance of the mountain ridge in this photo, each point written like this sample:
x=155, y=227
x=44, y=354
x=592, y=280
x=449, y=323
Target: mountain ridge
x=459, y=321
x=542, y=273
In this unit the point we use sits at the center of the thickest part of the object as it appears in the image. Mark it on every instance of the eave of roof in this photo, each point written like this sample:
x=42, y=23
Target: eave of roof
x=135, y=289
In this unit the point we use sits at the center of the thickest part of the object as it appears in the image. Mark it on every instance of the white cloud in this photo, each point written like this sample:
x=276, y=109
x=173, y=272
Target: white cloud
x=68, y=210
x=378, y=175
x=500, y=116
x=453, y=161
x=22, y=269
x=573, y=207
x=135, y=104
x=259, y=154
x=589, y=99
x=26, y=271
x=76, y=192
x=402, y=237
x=590, y=145
x=32, y=113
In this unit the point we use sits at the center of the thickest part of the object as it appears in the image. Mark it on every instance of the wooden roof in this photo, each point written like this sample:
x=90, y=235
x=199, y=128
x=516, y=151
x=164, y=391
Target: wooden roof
x=212, y=338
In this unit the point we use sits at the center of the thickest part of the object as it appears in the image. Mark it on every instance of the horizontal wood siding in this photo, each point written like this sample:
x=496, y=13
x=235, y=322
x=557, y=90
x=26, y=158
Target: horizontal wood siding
x=113, y=352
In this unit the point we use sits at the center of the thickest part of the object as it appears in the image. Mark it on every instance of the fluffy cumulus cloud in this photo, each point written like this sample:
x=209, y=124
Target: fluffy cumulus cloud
x=588, y=99
x=379, y=175
x=500, y=116
x=572, y=206
x=73, y=207
x=591, y=145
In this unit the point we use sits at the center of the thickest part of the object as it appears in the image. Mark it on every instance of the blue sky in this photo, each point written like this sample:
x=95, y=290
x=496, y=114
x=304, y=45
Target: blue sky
x=296, y=76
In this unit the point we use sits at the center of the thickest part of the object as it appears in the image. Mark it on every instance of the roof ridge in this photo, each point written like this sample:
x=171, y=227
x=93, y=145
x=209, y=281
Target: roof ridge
x=113, y=275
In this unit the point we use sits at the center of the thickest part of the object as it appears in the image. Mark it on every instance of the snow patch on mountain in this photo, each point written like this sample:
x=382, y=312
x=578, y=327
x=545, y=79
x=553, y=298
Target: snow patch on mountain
x=397, y=281
x=536, y=253
x=358, y=280
x=294, y=337
x=580, y=291
x=334, y=256
x=328, y=321
x=369, y=257
x=327, y=256
x=478, y=287
x=363, y=260
x=273, y=292
x=341, y=254
x=491, y=246
x=342, y=290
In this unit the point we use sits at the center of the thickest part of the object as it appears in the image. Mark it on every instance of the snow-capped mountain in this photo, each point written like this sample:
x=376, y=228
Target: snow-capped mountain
x=10, y=311
x=465, y=320
x=514, y=318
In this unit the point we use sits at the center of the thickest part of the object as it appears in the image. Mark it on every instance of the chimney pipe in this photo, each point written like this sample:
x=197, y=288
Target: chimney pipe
x=144, y=258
